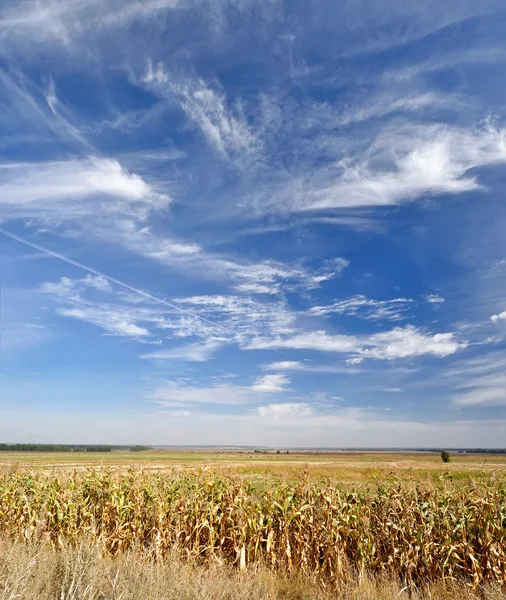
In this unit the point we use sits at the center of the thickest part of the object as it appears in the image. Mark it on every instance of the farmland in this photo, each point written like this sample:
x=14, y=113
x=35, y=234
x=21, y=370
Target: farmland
x=333, y=522
x=343, y=467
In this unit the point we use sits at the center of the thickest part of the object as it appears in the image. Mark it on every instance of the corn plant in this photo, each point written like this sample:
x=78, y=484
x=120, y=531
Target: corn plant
x=415, y=533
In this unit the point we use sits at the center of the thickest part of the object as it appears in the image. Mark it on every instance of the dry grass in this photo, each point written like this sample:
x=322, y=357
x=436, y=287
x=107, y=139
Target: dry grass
x=37, y=572
x=348, y=468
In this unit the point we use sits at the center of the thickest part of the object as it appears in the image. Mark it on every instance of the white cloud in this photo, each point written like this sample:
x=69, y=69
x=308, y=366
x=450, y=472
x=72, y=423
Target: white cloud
x=396, y=343
x=201, y=351
x=119, y=318
x=225, y=128
x=478, y=381
x=224, y=319
x=138, y=237
x=402, y=165
x=263, y=277
x=284, y=411
x=51, y=98
x=325, y=400
x=113, y=322
x=385, y=104
x=356, y=360
x=173, y=394
x=360, y=223
x=486, y=390
x=216, y=319
x=499, y=317
x=434, y=299
x=57, y=191
x=69, y=22
x=366, y=308
x=242, y=317
x=277, y=382
x=255, y=288
x=314, y=340
x=308, y=367
x=68, y=287
x=274, y=277
x=408, y=341
x=284, y=365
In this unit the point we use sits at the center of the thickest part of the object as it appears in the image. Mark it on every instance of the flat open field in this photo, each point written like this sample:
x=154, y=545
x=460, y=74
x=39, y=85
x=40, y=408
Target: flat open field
x=345, y=467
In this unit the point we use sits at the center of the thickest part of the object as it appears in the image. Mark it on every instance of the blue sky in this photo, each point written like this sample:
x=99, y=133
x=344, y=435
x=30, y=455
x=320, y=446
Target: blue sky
x=253, y=222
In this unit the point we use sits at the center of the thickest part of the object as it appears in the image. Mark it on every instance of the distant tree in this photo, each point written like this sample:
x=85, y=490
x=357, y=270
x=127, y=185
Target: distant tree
x=97, y=448
x=139, y=448
x=278, y=452
x=34, y=448
x=445, y=456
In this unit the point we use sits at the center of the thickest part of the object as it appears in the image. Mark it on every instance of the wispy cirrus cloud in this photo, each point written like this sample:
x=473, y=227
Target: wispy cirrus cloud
x=67, y=23
x=213, y=319
x=114, y=319
x=269, y=277
x=114, y=322
x=242, y=321
x=284, y=365
x=366, y=308
x=396, y=343
x=61, y=190
x=69, y=288
x=175, y=394
x=243, y=316
x=225, y=128
x=478, y=381
x=403, y=164
x=200, y=351
x=309, y=367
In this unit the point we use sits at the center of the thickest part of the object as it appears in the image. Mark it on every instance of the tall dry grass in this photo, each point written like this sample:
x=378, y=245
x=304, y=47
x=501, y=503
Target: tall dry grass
x=39, y=572
x=401, y=532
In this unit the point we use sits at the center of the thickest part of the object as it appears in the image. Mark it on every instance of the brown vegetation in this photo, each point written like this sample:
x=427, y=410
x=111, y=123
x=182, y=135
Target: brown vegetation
x=35, y=572
x=411, y=533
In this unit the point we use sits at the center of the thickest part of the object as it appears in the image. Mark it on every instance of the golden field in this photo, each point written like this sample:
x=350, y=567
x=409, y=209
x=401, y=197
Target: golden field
x=329, y=524
x=345, y=467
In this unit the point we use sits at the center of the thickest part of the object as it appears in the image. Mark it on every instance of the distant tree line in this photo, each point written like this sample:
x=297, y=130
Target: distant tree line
x=484, y=450
x=52, y=448
x=475, y=450
x=68, y=448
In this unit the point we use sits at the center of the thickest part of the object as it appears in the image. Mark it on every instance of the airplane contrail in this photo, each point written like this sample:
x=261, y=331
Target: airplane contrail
x=79, y=265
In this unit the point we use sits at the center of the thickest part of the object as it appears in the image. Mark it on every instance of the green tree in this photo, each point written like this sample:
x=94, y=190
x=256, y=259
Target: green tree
x=445, y=456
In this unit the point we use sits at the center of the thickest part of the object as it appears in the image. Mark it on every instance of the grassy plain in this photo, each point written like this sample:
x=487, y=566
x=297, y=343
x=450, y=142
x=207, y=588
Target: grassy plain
x=339, y=467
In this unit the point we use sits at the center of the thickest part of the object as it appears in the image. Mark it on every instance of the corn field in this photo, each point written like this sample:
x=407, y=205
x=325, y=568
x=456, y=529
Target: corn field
x=413, y=533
